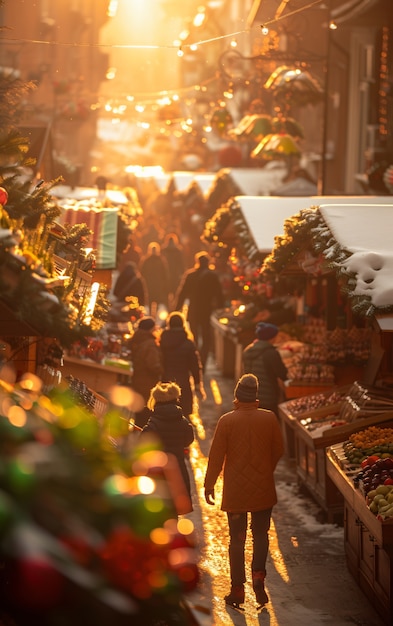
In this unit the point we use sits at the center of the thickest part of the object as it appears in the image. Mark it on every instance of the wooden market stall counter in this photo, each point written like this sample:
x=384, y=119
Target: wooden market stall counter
x=98, y=377
x=307, y=434
x=368, y=542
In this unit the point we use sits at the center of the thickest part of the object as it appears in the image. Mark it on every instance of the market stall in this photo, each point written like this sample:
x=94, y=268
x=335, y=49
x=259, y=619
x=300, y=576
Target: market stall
x=368, y=527
x=312, y=423
x=354, y=241
x=247, y=227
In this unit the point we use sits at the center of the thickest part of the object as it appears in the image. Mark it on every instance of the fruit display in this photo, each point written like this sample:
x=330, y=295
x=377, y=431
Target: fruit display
x=305, y=404
x=323, y=411
x=367, y=456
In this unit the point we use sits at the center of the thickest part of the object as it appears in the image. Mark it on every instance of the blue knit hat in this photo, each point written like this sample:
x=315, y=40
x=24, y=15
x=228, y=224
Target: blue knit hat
x=265, y=331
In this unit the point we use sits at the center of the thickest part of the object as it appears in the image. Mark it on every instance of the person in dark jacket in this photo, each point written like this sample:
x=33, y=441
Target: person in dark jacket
x=181, y=360
x=146, y=362
x=154, y=269
x=169, y=425
x=262, y=358
x=172, y=251
x=130, y=283
x=202, y=288
x=247, y=445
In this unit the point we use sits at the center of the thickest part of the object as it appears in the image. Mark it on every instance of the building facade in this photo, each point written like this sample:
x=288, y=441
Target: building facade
x=53, y=44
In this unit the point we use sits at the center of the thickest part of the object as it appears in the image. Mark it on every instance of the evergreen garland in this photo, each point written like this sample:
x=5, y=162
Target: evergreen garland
x=307, y=230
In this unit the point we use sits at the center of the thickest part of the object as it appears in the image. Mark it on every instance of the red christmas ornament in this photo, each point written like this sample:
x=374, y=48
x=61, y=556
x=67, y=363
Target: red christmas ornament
x=3, y=196
x=34, y=583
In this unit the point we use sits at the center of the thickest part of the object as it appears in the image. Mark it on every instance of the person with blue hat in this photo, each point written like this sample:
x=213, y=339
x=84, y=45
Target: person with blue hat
x=262, y=359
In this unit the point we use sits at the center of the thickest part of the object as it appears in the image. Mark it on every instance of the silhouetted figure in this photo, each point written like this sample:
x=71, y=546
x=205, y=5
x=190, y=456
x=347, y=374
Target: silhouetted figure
x=202, y=288
x=131, y=253
x=172, y=251
x=169, y=425
x=262, y=359
x=130, y=283
x=146, y=362
x=181, y=360
x=154, y=270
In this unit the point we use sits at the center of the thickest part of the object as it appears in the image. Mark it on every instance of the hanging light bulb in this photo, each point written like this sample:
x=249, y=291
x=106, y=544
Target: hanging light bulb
x=233, y=43
x=180, y=52
x=264, y=30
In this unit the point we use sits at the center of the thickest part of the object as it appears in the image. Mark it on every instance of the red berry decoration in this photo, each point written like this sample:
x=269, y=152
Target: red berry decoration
x=3, y=196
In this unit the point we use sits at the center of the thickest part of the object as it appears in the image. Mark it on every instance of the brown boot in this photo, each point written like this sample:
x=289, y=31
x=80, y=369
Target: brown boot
x=258, y=584
x=236, y=597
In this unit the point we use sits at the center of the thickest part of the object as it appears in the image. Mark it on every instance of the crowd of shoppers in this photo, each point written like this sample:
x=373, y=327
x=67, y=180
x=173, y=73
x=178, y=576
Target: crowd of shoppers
x=169, y=356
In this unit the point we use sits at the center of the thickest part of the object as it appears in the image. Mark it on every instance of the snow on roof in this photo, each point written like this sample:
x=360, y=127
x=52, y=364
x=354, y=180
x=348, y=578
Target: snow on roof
x=265, y=215
x=366, y=231
x=358, y=226
x=88, y=193
x=205, y=181
x=181, y=179
x=258, y=181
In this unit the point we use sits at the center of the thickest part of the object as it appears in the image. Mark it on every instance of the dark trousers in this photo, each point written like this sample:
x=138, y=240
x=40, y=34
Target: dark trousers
x=260, y=524
x=201, y=329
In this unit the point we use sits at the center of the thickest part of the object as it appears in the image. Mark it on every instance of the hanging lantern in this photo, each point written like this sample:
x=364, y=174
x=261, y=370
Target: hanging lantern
x=242, y=126
x=220, y=120
x=252, y=127
x=294, y=86
x=275, y=146
x=288, y=126
x=259, y=127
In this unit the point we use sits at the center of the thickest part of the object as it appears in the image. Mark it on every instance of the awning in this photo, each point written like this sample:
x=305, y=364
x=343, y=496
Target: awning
x=103, y=223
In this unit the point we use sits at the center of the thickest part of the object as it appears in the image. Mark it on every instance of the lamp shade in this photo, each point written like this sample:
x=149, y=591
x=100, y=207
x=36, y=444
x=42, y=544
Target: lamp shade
x=252, y=127
x=275, y=146
x=259, y=127
x=288, y=126
x=294, y=84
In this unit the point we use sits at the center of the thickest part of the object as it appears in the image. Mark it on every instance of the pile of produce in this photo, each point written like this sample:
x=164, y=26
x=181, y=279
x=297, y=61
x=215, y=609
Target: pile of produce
x=306, y=404
x=372, y=450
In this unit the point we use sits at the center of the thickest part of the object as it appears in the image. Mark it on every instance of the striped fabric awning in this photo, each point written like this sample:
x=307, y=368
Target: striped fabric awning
x=103, y=224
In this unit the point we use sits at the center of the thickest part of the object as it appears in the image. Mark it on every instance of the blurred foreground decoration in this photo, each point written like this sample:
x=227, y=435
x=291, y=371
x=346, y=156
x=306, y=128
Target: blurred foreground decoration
x=88, y=531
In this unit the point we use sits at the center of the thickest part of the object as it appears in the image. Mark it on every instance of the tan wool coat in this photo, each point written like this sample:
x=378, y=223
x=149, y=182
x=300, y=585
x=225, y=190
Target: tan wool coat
x=247, y=445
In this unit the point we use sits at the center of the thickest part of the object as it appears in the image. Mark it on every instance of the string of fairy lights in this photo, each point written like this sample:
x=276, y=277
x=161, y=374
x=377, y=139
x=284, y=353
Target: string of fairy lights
x=139, y=107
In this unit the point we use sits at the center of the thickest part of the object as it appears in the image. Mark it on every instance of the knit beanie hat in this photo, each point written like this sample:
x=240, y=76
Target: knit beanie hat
x=176, y=320
x=246, y=389
x=146, y=323
x=165, y=392
x=265, y=331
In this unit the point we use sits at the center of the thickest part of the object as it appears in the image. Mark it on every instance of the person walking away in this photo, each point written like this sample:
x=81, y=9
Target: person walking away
x=154, y=270
x=131, y=253
x=202, y=288
x=247, y=444
x=130, y=284
x=146, y=362
x=171, y=427
x=263, y=359
x=172, y=251
x=181, y=360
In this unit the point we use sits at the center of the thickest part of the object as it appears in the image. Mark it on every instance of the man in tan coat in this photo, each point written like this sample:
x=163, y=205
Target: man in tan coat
x=247, y=445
